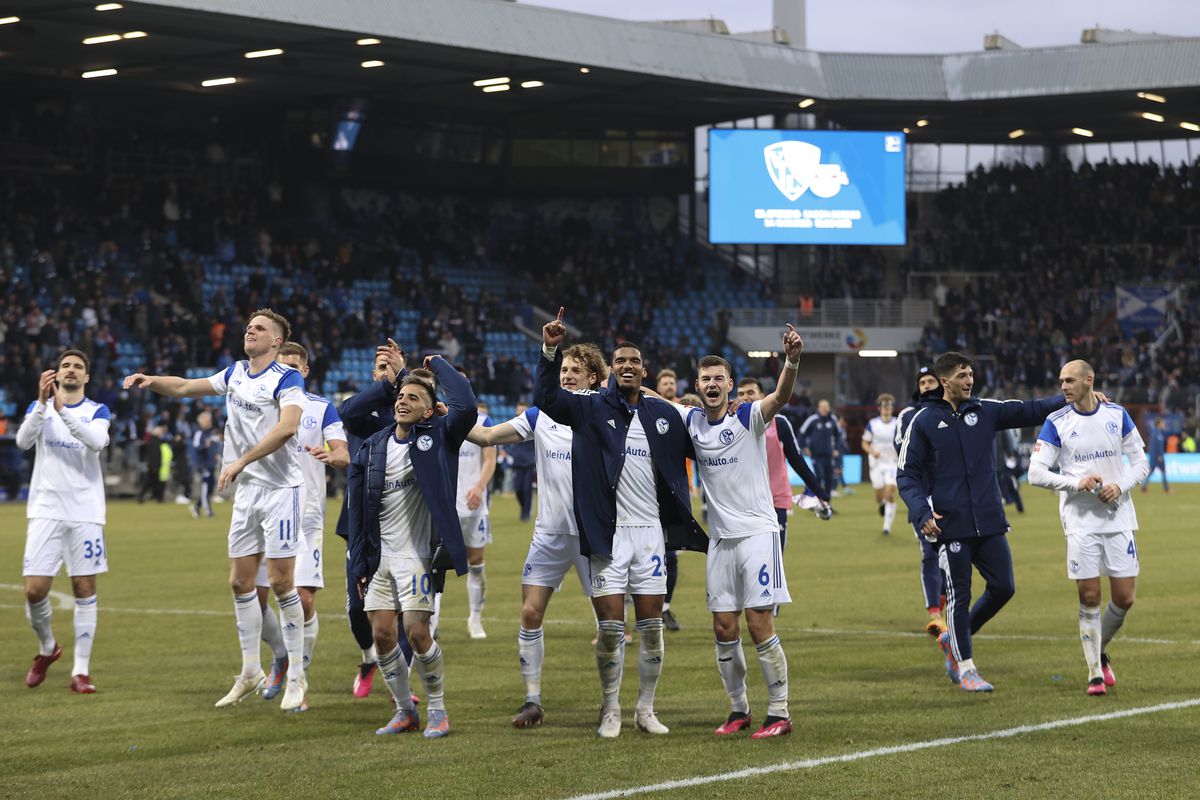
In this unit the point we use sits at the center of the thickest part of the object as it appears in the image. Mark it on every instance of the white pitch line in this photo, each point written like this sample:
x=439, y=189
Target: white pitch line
x=63, y=599
x=812, y=763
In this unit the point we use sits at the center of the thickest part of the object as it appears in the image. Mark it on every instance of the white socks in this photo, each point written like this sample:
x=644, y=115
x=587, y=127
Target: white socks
x=731, y=663
x=531, y=648
x=650, y=660
x=395, y=673
x=311, y=628
x=774, y=668
x=610, y=659
x=1114, y=618
x=272, y=634
x=476, y=589
x=1089, y=635
x=38, y=615
x=889, y=515
x=369, y=656
x=292, y=620
x=249, y=617
x=85, y=633
x=431, y=669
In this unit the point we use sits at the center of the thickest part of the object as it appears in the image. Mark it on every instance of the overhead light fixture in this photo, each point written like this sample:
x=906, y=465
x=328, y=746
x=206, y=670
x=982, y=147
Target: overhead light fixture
x=490, y=81
x=921, y=123
x=107, y=37
x=9, y=20
x=1153, y=98
x=499, y=87
x=1017, y=134
x=760, y=354
x=218, y=82
x=1083, y=132
x=877, y=354
x=371, y=64
x=367, y=42
x=807, y=102
x=98, y=73
x=1190, y=126
x=584, y=70
x=134, y=35
x=1153, y=117
x=904, y=129
x=274, y=51
x=109, y=7
x=531, y=84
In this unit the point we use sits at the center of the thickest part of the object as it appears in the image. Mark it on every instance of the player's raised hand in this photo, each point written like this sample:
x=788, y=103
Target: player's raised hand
x=554, y=331
x=1102, y=397
x=429, y=360
x=136, y=381
x=46, y=385
x=793, y=345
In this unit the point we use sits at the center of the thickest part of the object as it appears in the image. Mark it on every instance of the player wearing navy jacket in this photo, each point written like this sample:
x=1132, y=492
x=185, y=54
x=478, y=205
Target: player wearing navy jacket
x=947, y=477
x=820, y=435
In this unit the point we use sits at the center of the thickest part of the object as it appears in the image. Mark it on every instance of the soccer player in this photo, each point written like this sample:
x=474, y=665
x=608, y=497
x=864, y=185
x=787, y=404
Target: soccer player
x=205, y=447
x=877, y=442
x=264, y=400
x=666, y=385
x=476, y=466
x=1088, y=442
x=1158, y=449
x=947, y=477
x=631, y=503
x=66, y=510
x=554, y=548
x=404, y=532
x=744, y=574
x=820, y=435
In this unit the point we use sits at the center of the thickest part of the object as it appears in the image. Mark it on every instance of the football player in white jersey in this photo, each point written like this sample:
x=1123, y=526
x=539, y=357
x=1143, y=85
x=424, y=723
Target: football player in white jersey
x=881, y=458
x=554, y=548
x=476, y=467
x=1088, y=442
x=65, y=510
x=264, y=400
x=744, y=572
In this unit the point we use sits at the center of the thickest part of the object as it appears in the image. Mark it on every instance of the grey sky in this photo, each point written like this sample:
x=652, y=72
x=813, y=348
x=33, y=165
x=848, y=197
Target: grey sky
x=920, y=26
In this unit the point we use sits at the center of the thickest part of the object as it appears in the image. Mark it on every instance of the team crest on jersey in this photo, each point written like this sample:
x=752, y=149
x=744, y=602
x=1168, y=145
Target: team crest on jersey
x=972, y=419
x=662, y=426
x=424, y=442
x=1111, y=427
x=260, y=389
x=726, y=436
x=309, y=423
x=528, y=569
x=1074, y=565
x=955, y=547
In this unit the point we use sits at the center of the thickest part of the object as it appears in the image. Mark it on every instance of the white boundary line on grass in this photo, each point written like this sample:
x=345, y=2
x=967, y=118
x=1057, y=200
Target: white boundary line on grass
x=812, y=763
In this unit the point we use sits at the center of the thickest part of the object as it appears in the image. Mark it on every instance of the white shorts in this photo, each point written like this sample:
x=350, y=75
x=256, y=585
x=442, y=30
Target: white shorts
x=266, y=519
x=308, y=570
x=400, y=584
x=1093, y=555
x=550, y=556
x=883, y=474
x=476, y=530
x=745, y=573
x=637, y=564
x=49, y=543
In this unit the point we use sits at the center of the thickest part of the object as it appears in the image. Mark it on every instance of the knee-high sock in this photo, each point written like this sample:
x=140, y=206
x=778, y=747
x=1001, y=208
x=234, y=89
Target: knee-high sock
x=292, y=621
x=1089, y=635
x=395, y=674
x=731, y=663
x=85, y=633
x=272, y=634
x=311, y=628
x=610, y=659
x=432, y=671
x=476, y=589
x=1114, y=618
x=249, y=627
x=531, y=648
x=650, y=660
x=774, y=668
x=38, y=615
x=889, y=515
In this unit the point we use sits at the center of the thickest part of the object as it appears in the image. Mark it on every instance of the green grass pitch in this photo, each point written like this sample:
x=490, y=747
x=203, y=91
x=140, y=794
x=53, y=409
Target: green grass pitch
x=861, y=675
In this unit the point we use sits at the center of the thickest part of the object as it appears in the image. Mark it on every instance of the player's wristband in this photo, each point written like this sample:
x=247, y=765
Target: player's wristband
x=549, y=352
x=789, y=364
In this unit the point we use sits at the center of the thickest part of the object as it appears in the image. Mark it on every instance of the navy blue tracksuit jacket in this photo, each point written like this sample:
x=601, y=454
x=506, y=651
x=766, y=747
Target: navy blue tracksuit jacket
x=932, y=581
x=600, y=424
x=820, y=435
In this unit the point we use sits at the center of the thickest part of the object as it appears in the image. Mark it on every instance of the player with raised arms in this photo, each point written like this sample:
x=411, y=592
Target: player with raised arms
x=264, y=400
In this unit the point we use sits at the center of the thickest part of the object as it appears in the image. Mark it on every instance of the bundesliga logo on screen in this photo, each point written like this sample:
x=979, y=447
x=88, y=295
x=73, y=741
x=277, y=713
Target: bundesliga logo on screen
x=795, y=168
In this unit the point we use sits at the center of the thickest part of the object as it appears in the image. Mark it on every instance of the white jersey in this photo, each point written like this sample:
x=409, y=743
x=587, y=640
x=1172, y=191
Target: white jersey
x=252, y=406
x=1092, y=444
x=731, y=455
x=67, y=483
x=470, y=466
x=556, y=499
x=405, y=524
x=881, y=435
x=319, y=423
x=637, y=493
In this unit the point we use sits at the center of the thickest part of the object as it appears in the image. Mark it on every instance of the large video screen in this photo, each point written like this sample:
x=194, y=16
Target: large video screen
x=805, y=187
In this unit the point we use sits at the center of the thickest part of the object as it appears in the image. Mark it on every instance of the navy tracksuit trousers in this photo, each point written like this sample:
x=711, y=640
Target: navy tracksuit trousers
x=991, y=556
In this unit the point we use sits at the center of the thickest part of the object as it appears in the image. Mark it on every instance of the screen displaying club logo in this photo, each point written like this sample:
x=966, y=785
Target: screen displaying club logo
x=796, y=168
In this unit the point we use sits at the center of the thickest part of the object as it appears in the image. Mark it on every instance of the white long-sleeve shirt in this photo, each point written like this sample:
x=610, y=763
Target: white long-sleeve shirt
x=67, y=482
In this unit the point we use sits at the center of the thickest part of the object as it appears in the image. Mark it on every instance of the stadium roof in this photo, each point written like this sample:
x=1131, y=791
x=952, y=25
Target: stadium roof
x=433, y=50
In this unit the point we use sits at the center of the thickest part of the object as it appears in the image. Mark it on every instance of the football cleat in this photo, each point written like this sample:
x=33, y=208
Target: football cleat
x=936, y=626
x=294, y=694
x=364, y=678
x=970, y=681
x=646, y=721
x=243, y=687
x=1110, y=677
x=948, y=657
x=405, y=720
x=275, y=679
x=1096, y=687
x=37, y=670
x=437, y=724
x=531, y=715
x=610, y=724
x=773, y=726
x=82, y=684
x=475, y=628
x=669, y=621
x=737, y=722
